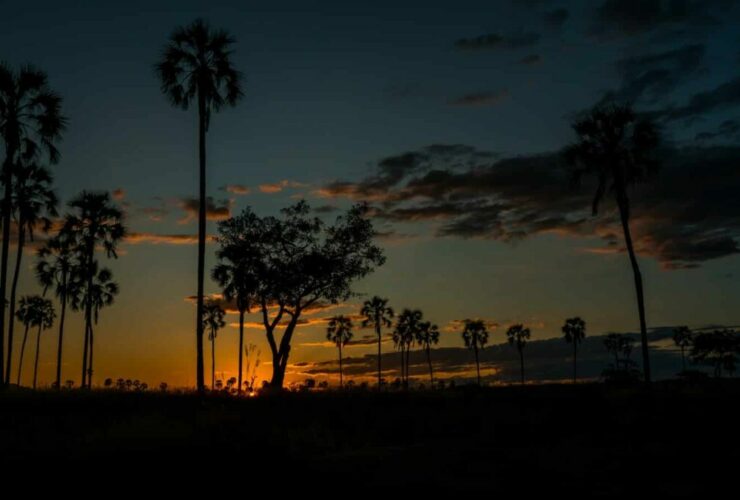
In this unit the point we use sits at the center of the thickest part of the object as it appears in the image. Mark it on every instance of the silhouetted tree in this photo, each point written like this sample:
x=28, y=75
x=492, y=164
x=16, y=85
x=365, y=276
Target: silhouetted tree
x=93, y=222
x=57, y=260
x=339, y=331
x=196, y=67
x=234, y=274
x=28, y=314
x=475, y=336
x=213, y=321
x=377, y=314
x=574, y=331
x=621, y=347
x=33, y=201
x=404, y=333
x=617, y=147
x=682, y=337
x=718, y=349
x=31, y=124
x=518, y=336
x=44, y=318
x=426, y=336
x=303, y=263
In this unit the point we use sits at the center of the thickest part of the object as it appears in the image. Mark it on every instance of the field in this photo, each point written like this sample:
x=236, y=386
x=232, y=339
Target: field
x=539, y=439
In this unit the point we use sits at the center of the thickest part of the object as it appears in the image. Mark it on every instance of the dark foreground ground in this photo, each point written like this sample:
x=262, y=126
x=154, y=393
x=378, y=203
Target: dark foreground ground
x=585, y=439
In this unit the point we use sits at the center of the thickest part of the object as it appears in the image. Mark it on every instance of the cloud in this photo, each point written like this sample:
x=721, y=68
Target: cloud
x=215, y=209
x=531, y=60
x=497, y=41
x=325, y=209
x=728, y=129
x=480, y=99
x=238, y=189
x=688, y=215
x=724, y=96
x=277, y=187
x=118, y=194
x=136, y=238
x=556, y=18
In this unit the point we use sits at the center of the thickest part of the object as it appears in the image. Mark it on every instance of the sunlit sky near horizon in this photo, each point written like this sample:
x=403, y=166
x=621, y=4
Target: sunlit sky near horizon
x=334, y=88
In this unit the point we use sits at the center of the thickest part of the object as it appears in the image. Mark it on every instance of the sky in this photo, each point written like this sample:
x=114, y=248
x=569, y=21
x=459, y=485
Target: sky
x=448, y=117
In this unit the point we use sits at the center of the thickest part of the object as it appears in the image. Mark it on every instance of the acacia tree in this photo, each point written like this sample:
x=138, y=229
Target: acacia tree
x=196, y=66
x=31, y=123
x=618, y=148
x=339, y=331
x=33, y=202
x=475, y=336
x=408, y=324
x=377, y=314
x=426, y=336
x=683, y=338
x=518, y=336
x=213, y=321
x=574, y=331
x=300, y=262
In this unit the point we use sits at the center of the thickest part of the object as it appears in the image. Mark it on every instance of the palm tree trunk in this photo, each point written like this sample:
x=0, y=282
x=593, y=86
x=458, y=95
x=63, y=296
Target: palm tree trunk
x=13, y=288
x=20, y=359
x=201, y=235
x=7, y=179
x=403, y=369
x=575, y=353
x=683, y=358
x=377, y=331
x=521, y=361
x=88, y=308
x=213, y=361
x=429, y=361
x=90, y=365
x=408, y=365
x=624, y=216
x=477, y=364
x=341, y=379
x=36, y=362
x=63, y=299
x=241, y=349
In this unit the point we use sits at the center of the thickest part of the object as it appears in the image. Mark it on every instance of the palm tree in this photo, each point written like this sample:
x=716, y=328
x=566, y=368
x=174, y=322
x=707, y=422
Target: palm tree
x=339, y=331
x=54, y=269
x=518, y=336
x=377, y=314
x=574, y=331
x=31, y=123
x=196, y=65
x=407, y=324
x=27, y=314
x=213, y=320
x=618, y=147
x=475, y=336
x=33, y=199
x=426, y=336
x=45, y=318
x=94, y=222
x=683, y=338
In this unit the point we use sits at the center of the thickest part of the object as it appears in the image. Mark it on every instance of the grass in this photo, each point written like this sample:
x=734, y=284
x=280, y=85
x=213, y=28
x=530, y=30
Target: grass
x=587, y=438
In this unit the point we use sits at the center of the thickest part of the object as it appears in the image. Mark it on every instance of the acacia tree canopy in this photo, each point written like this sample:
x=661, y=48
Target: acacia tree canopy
x=297, y=261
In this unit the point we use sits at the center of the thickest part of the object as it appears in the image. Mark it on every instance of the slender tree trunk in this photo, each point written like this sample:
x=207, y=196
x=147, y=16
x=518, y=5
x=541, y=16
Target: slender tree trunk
x=408, y=364
x=13, y=288
x=213, y=361
x=201, y=235
x=7, y=175
x=36, y=362
x=90, y=365
x=241, y=349
x=85, y=355
x=477, y=364
x=341, y=379
x=403, y=369
x=521, y=360
x=683, y=358
x=63, y=299
x=575, y=353
x=624, y=216
x=378, y=332
x=429, y=361
x=20, y=359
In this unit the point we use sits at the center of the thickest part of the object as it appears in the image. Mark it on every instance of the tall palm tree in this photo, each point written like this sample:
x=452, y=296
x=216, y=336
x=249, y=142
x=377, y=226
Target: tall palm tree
x=33, y=201
x=475, y=336
x=426, y=336
x=683, y=338
x=377, y=314
x=339, y=331
x=196, y=67
x=618, y=148
x=31, y=123
x=28, y=314
x=213, y=321
x=45, y=318
x=574, y=331
x=54, y=268
x=407, y=324
x=95, y=221
x=518, y=336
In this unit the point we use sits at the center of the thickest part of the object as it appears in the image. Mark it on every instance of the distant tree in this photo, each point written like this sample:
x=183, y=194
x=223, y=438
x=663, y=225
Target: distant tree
x=28, y=314
x=426, y=336
x=618, y=147
x=377, y=314
x=621, y=347
x=69, y=384
x=163, y=386
x=404, y=334
x=31, y=124
x=213, y=321
x=252, y=355
x=682, y=337
x=45, y=318
x=196, y=67
x=108, y=383
x=339, y=332
x=518, y=336
x=475, y=336
x=300, y=263
x=718, y=349
x=574, y=331
x=34, y=202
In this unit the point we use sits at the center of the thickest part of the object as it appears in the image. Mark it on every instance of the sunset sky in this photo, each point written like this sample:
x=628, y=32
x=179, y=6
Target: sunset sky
x=446, y=116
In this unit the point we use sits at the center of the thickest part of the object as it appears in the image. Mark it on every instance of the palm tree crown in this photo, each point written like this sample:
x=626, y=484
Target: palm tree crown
x=376, y=313
x=213, y=318
x=574, y=330
x=475, y=334
x=339, y=330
